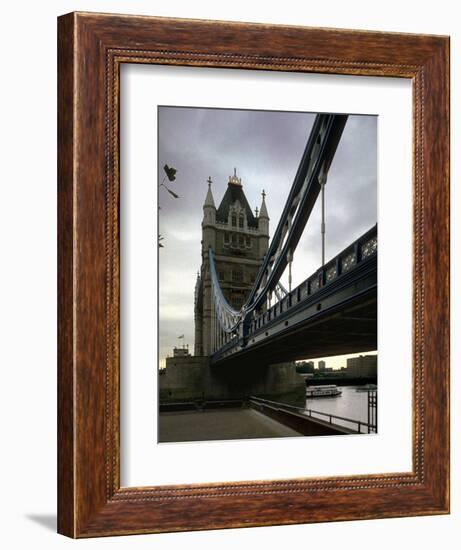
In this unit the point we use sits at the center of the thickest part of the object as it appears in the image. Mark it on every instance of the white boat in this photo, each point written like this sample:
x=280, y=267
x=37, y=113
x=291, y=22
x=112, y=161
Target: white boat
x=329, y=390
x=367, y=387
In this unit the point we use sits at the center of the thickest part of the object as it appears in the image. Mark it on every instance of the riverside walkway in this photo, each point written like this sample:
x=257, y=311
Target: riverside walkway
x=219, y=424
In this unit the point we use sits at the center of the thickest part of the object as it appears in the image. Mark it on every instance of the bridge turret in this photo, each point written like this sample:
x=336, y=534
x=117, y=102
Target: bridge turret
x=198, y=315
x=263, y=226
x=208, y=222
x=263, y=215
x=209, y=208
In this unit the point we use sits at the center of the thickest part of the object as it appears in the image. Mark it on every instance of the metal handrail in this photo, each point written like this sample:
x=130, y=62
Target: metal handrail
x=330, y=416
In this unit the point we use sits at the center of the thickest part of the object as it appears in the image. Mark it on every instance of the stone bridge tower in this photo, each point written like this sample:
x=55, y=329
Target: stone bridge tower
x=239, y=240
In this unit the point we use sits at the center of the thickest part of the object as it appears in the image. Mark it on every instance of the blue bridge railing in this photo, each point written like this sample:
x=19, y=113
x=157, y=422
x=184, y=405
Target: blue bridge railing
x=363, y=248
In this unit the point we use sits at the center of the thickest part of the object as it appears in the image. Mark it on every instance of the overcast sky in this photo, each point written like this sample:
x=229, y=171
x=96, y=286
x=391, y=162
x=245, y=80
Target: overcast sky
x=266, y=148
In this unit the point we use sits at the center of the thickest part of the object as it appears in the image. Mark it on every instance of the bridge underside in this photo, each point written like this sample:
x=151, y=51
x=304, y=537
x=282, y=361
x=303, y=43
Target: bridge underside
x=348, y=328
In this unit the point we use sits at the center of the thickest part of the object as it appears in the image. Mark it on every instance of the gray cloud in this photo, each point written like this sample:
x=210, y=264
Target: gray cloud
x=266, y=148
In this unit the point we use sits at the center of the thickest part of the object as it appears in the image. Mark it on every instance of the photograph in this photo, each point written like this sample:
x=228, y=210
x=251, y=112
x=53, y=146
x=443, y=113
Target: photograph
x=267, y=267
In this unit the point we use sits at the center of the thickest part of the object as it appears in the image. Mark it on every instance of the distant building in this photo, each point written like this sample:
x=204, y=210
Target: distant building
x=363, y=366
x=322, y=366
x=181, y=352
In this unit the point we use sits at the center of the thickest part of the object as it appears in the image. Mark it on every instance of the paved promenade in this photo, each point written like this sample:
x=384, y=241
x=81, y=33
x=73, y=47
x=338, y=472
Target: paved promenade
x=219, y=424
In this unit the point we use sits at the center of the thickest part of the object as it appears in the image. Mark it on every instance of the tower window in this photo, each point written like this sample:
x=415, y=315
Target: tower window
x=248, y=242
x=241, y=240
x=237, y=276
x=241, y=222
x=234, y=220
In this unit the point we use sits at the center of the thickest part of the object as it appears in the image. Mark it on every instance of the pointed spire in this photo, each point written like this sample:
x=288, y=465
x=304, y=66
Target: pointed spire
x=209, y=200
x=263, y=211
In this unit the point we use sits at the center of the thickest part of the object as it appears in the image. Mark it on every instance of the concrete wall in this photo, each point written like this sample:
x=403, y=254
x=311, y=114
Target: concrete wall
x=183, y=379
x=299, y=422
x=193, y=379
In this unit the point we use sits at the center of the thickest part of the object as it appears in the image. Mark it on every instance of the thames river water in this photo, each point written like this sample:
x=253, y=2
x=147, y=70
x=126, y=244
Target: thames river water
x=350, y=404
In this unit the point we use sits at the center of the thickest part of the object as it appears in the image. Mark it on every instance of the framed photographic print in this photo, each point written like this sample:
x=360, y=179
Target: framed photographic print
x=253, y=275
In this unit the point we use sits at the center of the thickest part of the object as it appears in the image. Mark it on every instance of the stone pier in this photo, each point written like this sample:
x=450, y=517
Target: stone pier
x=191, y=378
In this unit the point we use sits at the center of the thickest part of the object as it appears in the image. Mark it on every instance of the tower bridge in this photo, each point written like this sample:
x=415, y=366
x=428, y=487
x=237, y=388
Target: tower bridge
x=332, y=312
x=249, y=328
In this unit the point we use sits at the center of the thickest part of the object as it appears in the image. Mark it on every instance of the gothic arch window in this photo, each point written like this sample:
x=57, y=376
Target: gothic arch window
x=241, y=221
x=234, y=220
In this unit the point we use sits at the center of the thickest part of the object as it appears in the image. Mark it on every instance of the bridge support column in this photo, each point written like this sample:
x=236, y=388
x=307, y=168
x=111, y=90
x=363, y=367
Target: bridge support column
x=188, y=379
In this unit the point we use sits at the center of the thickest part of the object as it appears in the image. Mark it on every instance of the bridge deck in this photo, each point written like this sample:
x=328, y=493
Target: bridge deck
x=219, y=425
x=332, y=312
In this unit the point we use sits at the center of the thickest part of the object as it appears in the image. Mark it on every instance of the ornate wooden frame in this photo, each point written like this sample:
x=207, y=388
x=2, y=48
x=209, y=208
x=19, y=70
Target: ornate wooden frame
x=91, y=49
